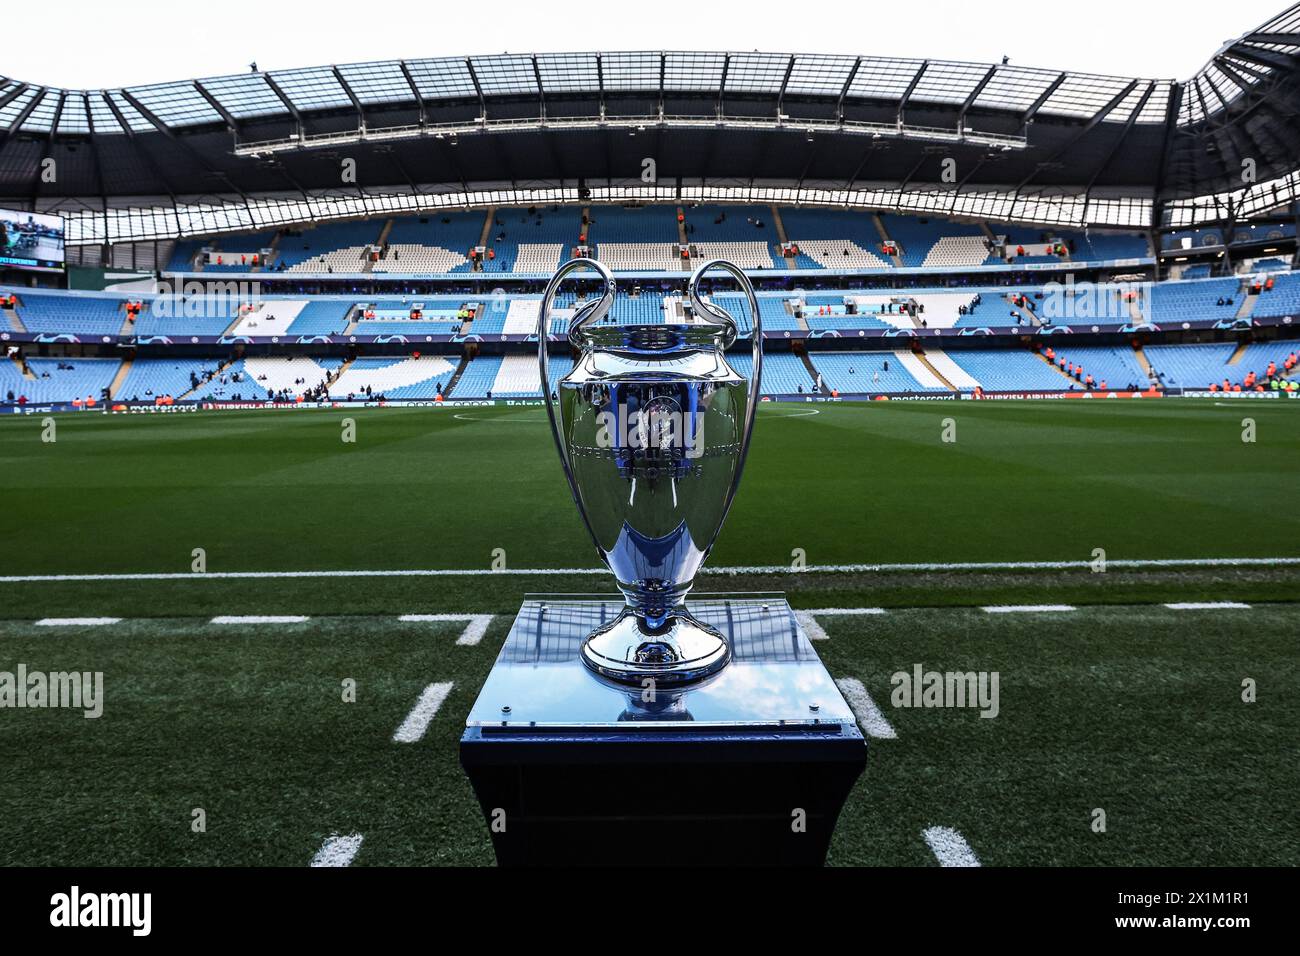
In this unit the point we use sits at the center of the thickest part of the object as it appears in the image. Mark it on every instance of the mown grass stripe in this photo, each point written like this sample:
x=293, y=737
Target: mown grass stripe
x=870, y=719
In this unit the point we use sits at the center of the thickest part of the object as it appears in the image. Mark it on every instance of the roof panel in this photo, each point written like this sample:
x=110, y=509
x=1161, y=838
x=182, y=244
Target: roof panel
x=1083, y=94
x=378, y=82
x=73, y=119
x=819, y=75
x=176, y=104
x=948, y=82
x=445, y=78
x=41, y=118
x=506, y=75
x=101, y=116
x=568, y=72
x=693, y=72
x=881, y=78
x=315, y=88
x=133, y=117
x=631, y=71
x=757, y=72
x=1014, y=87
x=244, y=96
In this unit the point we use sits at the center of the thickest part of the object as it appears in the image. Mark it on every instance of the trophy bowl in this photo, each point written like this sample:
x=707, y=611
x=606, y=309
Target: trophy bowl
x=652, y=426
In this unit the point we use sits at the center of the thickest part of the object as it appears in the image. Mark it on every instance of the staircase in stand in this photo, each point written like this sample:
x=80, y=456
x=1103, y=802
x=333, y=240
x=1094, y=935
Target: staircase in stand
x=122, y=371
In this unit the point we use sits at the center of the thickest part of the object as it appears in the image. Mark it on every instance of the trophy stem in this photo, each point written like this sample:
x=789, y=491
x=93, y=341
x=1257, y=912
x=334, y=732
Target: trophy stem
x=668, y=648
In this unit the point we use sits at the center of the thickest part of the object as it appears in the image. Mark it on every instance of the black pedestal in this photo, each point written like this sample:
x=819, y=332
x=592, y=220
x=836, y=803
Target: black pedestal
x=749, y=767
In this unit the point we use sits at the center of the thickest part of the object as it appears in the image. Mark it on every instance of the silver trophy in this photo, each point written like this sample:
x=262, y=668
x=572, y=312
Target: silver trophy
x=653, y=427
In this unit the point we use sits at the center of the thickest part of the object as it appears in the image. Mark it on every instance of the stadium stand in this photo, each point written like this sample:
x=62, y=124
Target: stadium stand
x=477, y=378
x=1008, y=371
x=152, y=378
x=329, y=247
x=57, y=380
x=871, y=372
x=783, y=373
x=1282, y=299
x=395, y=378
x=947, y=244
x=1117, y=366
x=74, y=315
x=1192, y=366
x=1176, y=302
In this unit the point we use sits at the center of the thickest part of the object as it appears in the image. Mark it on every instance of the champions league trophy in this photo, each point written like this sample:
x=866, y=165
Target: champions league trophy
x=652, y=426
x=611, y=722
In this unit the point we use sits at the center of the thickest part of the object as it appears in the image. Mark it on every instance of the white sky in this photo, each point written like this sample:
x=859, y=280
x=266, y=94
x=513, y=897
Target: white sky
x=84, y=44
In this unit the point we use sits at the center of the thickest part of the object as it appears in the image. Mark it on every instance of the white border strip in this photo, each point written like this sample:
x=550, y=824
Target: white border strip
x=1027, y=608
x=337, y=850
x=422, y=714
x=1205, y=605
x=259, y=619
x=949, y=847
x=727, y=571
x=76, y=621
x=870, y=718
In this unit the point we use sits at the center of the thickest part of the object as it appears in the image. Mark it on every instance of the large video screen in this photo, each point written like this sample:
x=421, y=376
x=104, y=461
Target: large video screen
x=29, y=240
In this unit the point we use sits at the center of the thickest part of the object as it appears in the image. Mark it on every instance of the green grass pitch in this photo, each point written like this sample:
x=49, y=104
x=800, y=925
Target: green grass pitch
x=1123, y=705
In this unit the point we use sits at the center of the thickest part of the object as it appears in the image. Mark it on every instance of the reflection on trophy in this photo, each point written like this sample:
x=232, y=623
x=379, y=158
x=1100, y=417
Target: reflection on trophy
x=652, y=427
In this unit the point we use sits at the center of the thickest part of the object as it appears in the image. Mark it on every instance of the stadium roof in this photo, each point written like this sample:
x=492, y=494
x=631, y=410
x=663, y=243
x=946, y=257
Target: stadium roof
x=561, y=118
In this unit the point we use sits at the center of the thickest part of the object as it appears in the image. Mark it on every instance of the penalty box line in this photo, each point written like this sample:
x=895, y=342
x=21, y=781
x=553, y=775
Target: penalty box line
x=734, y=571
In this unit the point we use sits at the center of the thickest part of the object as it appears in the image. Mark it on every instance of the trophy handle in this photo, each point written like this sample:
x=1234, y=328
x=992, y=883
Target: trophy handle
x=720, y=316
x=593, y=311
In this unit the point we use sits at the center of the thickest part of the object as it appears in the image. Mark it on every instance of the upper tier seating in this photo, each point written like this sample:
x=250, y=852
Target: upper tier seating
x=917, y=238
x=330, y=246
x=1173, y=303
x=77, y=315
x=512, y=228
x=1282, y=299
x=647, y=256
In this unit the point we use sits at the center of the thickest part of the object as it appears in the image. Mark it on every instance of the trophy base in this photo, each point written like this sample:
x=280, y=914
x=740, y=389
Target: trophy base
x=570, y=767
x=681, y=651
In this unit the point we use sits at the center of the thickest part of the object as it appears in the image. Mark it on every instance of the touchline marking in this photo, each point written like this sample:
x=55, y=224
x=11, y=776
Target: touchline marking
x=418, y=720
x=870, y=718
x=475, y=627
x=260, y=619
x=1027, y=608
x=337, y=850
x=949, y=847
x=777, y=569
x=1205, y=605
x=76, y=621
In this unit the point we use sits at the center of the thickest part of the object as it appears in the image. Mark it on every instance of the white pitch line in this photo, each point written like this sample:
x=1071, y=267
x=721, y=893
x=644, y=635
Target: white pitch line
x=418, y=720
x=337, y=850
x=476, y=625
x=818, y=612
x=810, y=626
x=873, y=722
x=949, y=847
x=76, y=621
x=1027, y=608
x=1205, y=605
x=260, y=619
x=721, y=571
